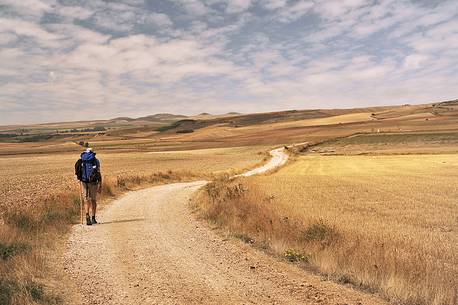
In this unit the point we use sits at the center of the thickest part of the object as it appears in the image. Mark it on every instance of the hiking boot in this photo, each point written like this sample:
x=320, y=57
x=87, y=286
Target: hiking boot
x=88, y=221
x=93, y=220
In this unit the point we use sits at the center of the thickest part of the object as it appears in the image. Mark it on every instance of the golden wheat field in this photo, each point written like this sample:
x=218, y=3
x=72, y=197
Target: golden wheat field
x=24, y=179
x=384, y=223
x=343, y=207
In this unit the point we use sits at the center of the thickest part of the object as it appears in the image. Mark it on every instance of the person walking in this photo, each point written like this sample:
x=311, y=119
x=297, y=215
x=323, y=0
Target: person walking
x=87, y=170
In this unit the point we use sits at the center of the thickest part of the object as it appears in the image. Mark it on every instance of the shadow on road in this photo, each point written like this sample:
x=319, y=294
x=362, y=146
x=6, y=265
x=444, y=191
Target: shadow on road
x=121, y=221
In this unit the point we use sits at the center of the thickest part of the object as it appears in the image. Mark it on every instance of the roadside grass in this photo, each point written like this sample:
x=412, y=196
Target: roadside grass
x=125, y=182
x=27, y=232
x=384, y=224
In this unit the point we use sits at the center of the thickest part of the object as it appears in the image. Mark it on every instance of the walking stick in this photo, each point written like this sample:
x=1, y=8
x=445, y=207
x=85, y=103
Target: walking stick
x=81, y=202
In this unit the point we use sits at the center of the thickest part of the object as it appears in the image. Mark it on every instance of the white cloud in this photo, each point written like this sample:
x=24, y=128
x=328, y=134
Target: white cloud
x=28, y=29
x=273, y=4
x=414, y=61
x=158, y=19
x=194, y=7
x=73, y=12
x=7, y=38
x=29, y=7
x=293, y=12
x=330, y=9
x=216, y=53
x=237, y=6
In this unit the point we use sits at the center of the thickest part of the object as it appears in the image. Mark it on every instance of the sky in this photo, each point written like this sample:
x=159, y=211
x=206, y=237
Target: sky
x=63, y=60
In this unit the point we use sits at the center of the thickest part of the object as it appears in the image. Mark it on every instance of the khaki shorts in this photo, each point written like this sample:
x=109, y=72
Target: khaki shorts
x=89, y=191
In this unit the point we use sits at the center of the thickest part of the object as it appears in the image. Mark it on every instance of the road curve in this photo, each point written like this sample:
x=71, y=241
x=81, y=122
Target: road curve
x=150, y=249
x=279, y=157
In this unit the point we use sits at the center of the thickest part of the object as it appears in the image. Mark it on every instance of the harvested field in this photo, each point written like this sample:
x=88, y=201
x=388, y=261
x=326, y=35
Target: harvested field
x=24, y=179
x=382, y=223
x=392, y=143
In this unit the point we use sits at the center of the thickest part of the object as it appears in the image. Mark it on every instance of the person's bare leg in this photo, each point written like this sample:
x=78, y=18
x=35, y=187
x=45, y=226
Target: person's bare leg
x=87, y=206
x=94, y=207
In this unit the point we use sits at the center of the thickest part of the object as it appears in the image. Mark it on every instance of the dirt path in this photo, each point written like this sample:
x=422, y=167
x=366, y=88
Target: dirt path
x=149, y=249
x=279, y=157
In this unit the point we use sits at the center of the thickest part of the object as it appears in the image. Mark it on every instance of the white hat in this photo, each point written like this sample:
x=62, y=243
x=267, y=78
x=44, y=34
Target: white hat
x=88, y=149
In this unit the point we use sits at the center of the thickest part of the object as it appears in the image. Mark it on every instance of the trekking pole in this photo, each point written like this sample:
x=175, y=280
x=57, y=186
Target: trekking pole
x=81, y=202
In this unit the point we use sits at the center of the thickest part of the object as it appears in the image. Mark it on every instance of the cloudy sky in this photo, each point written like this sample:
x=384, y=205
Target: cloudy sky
x=74, y=59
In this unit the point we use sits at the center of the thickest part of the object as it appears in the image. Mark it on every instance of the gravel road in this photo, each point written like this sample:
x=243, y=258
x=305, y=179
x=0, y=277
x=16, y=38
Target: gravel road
x=279, y=157
x=149, y=249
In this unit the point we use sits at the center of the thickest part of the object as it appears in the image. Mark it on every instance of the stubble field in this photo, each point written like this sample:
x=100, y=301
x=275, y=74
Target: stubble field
x=25, y=179
x=382, y=223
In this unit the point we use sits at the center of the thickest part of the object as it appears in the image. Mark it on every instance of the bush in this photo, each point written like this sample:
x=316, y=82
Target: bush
x=36, y=291
x=295, y=256
x=7, y=251
x=21, y=219
x=33, y=291
x=320, y=232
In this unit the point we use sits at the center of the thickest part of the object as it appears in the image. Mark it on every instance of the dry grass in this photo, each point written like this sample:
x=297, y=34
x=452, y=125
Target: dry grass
x=40, y=200
x=26, y=179
x=383, y=223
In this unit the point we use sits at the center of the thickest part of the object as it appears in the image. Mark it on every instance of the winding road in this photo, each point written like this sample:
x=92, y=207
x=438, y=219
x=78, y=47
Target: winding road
x=150, y=249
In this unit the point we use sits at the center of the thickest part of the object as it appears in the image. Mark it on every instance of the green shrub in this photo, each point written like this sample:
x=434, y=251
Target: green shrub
x=295, y=256
x=35, y=291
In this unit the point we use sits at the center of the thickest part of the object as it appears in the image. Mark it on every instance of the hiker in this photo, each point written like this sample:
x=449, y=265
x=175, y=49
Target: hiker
x=87, y=170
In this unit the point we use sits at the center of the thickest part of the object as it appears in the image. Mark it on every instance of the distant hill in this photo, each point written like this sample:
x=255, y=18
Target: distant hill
x=235, y=120
x=122, y=118
x=150, y=125
x=74, y=130
x=153, y=118
x=162, y=117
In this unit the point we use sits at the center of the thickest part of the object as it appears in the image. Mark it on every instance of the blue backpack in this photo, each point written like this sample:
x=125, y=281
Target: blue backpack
x=87, y=169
